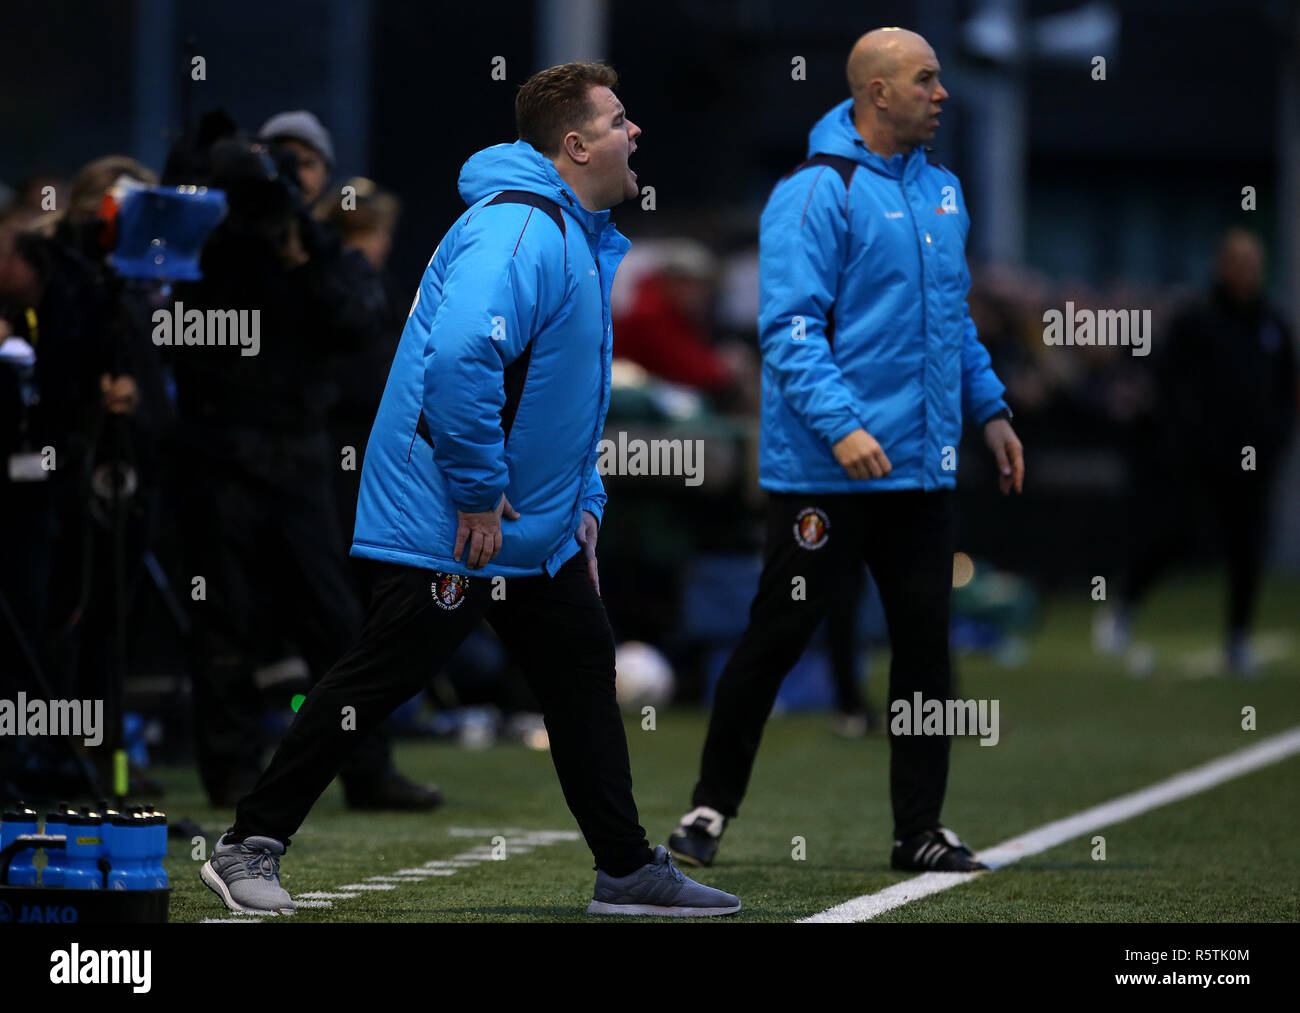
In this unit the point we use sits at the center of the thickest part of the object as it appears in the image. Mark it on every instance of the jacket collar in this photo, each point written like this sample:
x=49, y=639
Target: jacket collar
x=835, y=134
x=520, y=166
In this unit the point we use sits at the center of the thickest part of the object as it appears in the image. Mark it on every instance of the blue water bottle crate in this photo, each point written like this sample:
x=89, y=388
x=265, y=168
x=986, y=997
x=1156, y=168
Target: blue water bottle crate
x=101, y=868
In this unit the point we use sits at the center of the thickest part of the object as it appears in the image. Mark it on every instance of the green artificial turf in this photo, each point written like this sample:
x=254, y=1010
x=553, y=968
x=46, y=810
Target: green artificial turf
x=1075, y=731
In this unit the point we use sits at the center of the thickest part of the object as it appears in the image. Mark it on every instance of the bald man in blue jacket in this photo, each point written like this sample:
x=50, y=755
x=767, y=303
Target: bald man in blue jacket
x=480, y=498
x=871, y=365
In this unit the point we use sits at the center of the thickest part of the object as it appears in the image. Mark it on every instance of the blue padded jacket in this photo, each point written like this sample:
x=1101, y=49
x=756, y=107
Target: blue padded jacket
x=863, y=319
x=501, y=379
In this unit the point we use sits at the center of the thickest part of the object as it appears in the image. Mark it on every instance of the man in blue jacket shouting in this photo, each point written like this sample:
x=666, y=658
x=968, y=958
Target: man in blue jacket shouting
x=480, y=497
x=870, y=366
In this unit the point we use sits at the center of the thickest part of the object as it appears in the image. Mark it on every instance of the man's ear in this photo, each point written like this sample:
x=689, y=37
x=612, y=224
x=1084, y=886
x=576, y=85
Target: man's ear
x=575, y=148
x=878, y=93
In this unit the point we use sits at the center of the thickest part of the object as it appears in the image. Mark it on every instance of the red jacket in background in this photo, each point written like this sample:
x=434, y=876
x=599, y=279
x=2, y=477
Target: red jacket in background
x=664, y=341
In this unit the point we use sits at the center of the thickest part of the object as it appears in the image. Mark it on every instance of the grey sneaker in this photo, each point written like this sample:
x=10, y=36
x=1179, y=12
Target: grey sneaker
x=659, y=888
x=247, y=876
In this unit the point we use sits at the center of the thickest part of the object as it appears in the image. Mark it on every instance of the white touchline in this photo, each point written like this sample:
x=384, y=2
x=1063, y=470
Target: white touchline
x=1180, y=786
x=472, y=859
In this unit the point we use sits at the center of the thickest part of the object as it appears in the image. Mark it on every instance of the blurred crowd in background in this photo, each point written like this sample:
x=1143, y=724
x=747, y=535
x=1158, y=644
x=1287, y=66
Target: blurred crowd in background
x=175, y=463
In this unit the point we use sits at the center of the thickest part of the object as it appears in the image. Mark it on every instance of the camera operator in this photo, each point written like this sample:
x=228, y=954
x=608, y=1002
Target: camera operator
x=300, y=133
x=62, y=369
x=256, y=466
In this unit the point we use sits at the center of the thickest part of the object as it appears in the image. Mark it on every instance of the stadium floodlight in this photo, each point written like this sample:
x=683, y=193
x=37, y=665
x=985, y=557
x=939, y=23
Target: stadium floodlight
x=995, y=33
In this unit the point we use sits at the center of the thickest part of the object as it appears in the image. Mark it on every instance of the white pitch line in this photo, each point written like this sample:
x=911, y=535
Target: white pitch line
x=438, y=867
x=1180, y=786
x=325, y=895
x=488, y=832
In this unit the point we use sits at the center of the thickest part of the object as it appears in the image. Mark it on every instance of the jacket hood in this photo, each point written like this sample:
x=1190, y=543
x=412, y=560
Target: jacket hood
x=835, y=134
x=520, y=166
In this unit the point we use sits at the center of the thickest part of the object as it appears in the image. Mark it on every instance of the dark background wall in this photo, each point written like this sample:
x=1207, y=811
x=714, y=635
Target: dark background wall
x=1132, y=175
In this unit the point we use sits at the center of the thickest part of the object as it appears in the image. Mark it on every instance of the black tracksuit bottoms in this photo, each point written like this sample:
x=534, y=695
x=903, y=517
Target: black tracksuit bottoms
x=554, y=628
x=906, y=538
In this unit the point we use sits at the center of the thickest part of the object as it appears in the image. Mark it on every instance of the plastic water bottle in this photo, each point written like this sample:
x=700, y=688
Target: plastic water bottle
x=130, y=845
x=81, y=860
x=55, y=858
x=106, y=835
x=157, y=847
x=18, y=821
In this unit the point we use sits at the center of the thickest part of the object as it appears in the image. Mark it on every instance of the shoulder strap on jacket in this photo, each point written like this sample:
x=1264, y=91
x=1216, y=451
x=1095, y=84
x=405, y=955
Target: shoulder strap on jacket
x=545, y=204
x=842, y=165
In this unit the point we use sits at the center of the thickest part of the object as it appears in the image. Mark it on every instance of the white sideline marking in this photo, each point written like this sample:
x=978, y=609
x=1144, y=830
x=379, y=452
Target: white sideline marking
x=519, y=843
x=1180, y=786
x=486, y=832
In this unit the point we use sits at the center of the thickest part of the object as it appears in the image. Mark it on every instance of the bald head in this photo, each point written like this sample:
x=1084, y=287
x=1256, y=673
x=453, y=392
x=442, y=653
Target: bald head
x=879, y=53
x=893, y=77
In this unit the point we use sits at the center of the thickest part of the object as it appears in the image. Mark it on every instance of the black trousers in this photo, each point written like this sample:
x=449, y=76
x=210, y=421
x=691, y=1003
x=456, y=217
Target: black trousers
x=842, y=642
x=906, y=539
x=555, y=628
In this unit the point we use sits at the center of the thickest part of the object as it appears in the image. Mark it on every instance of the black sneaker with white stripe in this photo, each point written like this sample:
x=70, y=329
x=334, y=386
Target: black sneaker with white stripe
x=937, y=850
x=696, y=839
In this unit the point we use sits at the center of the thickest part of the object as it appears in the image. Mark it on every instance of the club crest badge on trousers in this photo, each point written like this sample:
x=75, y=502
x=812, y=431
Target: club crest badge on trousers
x=449, y=590
x=811, y=528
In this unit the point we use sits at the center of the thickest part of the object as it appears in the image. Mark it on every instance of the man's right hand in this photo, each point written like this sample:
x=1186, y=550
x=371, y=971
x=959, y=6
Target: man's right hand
x=483, y=532
x=861, y=456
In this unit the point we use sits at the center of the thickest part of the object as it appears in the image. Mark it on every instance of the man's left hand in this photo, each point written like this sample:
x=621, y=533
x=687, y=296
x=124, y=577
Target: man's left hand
x=586, y=536
x=1004, y=443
